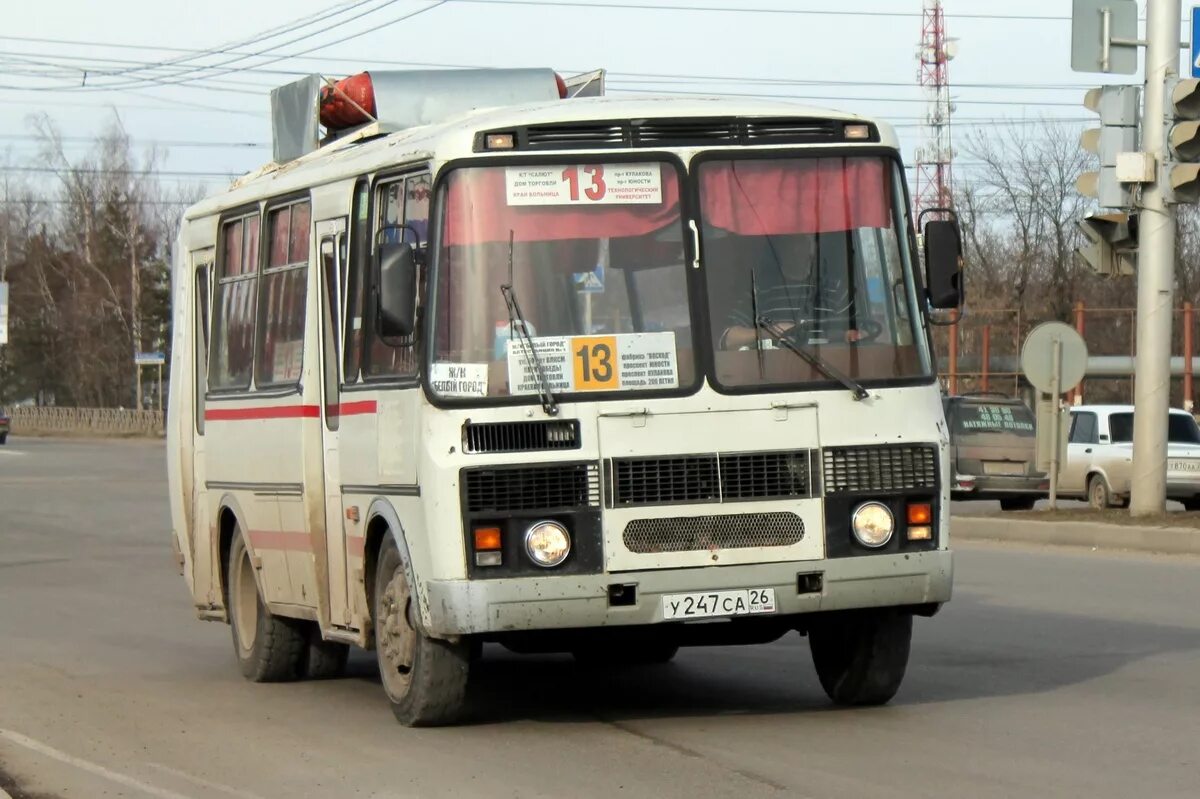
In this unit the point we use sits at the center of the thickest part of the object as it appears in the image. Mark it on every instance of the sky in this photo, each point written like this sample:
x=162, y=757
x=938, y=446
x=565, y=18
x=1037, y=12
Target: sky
x=193, y=77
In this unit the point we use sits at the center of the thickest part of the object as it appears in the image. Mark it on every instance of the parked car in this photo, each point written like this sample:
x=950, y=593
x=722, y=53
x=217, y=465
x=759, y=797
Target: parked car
x=993, y=450
x=1099, y=462
x=5, y=425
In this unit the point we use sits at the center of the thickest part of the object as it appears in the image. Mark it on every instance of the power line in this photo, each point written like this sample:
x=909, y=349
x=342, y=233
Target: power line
x=745, y=10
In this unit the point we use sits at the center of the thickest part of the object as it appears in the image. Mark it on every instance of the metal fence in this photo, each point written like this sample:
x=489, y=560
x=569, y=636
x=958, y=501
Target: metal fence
x=86, y=421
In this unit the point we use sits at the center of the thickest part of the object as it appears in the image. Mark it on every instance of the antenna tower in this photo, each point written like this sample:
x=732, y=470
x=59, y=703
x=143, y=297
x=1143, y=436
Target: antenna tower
x=934, y=155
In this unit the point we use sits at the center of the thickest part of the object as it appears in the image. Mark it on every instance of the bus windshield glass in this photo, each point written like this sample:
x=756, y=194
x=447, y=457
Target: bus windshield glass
x=811, y=250
x=594, y=256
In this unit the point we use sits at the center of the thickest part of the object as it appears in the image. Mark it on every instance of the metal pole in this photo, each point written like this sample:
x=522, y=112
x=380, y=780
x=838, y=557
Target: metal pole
x=1076, y=397
x=1055, y=419
x=1188, y=352
x=138, y=369
x=953, y=381
x=160, y=396
x=986, y=356
x=1156, y=267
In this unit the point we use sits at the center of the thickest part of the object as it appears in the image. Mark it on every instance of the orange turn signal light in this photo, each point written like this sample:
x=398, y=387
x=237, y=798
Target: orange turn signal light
x=487, y=539
x=920, y=513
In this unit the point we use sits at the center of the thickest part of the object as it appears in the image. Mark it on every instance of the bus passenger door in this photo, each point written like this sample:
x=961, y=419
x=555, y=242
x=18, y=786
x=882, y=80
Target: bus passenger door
x=199, y=547
x=331, y=238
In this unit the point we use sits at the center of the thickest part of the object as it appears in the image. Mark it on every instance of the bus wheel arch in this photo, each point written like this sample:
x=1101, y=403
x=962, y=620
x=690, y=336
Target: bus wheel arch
x=228, y=523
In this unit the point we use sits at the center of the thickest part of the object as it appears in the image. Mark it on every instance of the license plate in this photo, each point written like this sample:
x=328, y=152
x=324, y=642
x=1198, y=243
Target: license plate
x=1003, y=467
x=718, y=603
x=1183, y=466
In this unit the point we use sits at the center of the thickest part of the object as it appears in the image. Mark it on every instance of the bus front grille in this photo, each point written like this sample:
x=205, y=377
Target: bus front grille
x=889, y=467
x=544, y=487
x=547, y=434
x=716, y=477
x=734, y=531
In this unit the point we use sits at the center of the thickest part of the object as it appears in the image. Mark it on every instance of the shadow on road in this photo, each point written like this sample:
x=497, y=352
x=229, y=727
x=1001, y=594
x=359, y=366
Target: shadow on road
x=973, y=650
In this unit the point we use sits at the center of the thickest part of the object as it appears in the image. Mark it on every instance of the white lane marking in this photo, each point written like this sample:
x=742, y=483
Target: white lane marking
x=212, y=786
x=86, y=765
x=11, y=452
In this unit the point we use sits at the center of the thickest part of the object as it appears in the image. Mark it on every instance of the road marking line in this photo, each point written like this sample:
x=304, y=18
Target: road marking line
x=212, y=786
x=86, y=765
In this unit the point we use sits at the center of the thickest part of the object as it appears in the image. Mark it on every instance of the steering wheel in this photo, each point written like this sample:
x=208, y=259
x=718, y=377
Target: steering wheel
x=868, y=328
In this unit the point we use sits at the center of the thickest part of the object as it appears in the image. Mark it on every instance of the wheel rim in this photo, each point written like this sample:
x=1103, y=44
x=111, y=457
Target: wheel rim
x=395, y=636
x=1098, y=498
x=245, y=602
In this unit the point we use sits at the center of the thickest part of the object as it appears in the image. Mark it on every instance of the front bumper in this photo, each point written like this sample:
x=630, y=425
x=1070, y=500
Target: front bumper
x=460, y=607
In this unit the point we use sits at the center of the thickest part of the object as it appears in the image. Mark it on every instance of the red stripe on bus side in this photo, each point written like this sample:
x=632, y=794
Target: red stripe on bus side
x=268, y=412
x=270, y=539
x=353, y=408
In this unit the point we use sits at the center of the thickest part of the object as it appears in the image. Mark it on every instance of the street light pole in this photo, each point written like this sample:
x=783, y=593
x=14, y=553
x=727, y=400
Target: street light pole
x=1156, y=272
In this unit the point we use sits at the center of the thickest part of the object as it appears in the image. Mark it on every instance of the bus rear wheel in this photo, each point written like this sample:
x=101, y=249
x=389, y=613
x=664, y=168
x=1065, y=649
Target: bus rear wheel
x=269, y=648
x=861, y=656
x=425, y=678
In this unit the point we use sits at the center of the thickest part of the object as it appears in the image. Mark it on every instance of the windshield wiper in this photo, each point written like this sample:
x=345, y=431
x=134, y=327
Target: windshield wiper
x=517, y=319
x=811, y=358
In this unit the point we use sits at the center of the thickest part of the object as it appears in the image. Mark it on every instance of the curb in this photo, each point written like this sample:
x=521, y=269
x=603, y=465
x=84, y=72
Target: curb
x=1095, y=535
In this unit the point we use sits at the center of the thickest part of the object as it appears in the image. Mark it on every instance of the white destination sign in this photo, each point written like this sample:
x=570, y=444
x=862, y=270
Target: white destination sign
x=624, y=362
x=459, y=379
x=584, y=184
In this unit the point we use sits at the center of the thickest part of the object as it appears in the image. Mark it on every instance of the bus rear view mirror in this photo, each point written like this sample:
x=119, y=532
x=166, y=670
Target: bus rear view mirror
x=396, y=276
x=943, y=264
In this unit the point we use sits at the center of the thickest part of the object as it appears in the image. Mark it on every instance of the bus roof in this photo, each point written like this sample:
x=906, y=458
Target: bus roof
x=357, y=155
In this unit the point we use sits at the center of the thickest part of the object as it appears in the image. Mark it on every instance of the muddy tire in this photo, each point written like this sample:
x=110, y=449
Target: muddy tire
x=1191, y=503
x=3, y=439
x=1099, y=496
x=1017, y=503
x=861, y=656
x=326, y=660
x=425, y=678
x=268, y=648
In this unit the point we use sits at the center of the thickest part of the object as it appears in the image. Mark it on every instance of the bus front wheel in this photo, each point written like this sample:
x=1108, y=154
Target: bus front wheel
x=425, y=678
x=861, y=655
x=269, y=648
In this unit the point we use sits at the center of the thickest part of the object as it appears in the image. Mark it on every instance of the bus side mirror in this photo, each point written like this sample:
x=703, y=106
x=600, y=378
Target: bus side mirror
x=396, y=276
x=943, y=264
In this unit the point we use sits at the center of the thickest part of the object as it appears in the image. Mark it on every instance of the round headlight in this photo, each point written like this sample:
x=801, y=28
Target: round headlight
x=547, y=543
x=872, y=524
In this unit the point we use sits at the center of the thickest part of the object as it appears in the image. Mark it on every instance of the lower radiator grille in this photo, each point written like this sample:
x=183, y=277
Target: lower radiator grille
x=542, y=487
x=889, y=467
x=735, y=531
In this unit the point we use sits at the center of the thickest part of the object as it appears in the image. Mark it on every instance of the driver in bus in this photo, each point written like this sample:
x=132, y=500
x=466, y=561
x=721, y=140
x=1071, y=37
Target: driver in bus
x=792, y=284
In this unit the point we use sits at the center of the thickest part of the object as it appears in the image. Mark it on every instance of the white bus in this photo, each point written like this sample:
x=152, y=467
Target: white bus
x=476, y=363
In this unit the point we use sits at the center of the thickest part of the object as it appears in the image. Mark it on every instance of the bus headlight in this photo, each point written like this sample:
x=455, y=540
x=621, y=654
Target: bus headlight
x=872, y=524
x=547, y=543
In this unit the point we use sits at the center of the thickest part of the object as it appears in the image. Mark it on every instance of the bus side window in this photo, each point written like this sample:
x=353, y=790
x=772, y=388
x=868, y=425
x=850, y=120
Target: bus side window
x=329, y=327
x=282, y=299
x=404, y=201
x=232, y=354
x=356, y=272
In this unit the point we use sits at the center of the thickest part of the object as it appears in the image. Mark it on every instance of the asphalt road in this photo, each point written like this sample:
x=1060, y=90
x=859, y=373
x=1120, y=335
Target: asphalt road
x=1052, y=673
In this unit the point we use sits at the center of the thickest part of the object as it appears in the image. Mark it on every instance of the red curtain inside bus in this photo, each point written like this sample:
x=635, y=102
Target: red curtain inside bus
x=783, y=196
x=477, y=212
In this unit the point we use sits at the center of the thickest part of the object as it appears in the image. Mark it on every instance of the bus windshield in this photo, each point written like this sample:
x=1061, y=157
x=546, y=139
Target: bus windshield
x=595, y=259
x=813, y=247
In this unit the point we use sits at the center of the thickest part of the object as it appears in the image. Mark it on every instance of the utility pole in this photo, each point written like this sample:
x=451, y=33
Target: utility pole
x=1156, y=272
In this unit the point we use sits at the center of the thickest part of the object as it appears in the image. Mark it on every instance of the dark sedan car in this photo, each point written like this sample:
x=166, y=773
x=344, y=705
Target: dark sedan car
x=993, y=451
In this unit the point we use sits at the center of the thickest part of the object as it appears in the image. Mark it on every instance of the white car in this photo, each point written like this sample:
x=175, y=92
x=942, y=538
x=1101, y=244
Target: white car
x=1099, y=461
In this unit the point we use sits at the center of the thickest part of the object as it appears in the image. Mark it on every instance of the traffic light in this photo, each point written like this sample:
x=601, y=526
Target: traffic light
x=1111, y=243
x=1180, y=178
x=1118, y=110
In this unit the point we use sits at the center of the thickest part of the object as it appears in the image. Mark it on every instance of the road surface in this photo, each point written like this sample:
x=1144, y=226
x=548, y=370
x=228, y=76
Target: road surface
x=1052, y=673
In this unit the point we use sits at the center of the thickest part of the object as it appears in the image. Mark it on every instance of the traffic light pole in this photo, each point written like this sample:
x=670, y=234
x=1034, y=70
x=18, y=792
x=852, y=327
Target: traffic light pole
x=1156, y=272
